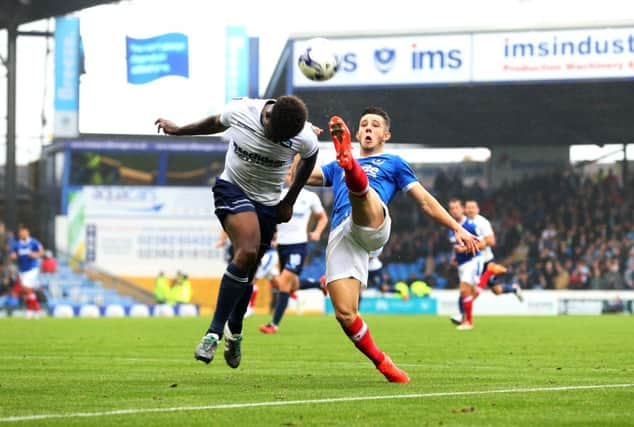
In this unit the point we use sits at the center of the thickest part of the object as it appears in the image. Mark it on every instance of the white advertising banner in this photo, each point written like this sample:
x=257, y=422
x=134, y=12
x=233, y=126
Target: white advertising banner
x=148, y=202
x=535, y=304
x=553, y=55
x=478, y=58
x=139, y=231
x=135, y=247
x=395, y=60
x=538, y=303
x=140, y=69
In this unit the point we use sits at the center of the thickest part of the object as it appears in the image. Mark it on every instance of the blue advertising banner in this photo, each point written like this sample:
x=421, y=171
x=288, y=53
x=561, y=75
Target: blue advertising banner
x=155, y=57
x=237, y=63
x=66, y=102
x=391, y=305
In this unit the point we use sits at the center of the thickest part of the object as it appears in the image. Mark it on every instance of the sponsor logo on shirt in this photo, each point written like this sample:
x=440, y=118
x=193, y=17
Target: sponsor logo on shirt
x=256, y=158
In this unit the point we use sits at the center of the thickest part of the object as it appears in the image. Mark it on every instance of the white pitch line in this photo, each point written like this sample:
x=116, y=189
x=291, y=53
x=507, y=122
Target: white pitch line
x=306, y=402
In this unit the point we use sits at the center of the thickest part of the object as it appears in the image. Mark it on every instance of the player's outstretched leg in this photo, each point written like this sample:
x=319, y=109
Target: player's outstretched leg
x=359, y=334
x=343, y=141
x=392, y=372
x=493, y=269
x=356, y=178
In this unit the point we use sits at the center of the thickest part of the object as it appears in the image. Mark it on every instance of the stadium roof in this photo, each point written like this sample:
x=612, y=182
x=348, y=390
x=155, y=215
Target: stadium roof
x=553, y=113
x=23, y=11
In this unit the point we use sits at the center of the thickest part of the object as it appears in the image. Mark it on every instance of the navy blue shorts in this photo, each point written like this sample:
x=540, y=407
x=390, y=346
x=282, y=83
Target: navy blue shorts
x=292, y=257
x=230, y=199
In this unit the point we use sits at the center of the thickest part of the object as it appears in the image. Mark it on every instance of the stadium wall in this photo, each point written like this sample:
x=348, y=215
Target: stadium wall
x=536, y=303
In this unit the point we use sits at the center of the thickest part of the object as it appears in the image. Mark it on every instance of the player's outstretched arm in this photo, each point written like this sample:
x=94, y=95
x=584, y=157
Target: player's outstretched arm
x=432, y=208
x=304, y=169
x=316, y=178
x=205, y=126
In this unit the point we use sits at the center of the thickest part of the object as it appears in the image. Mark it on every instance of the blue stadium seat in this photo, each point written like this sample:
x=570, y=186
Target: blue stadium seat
x=391, y=271
x=413, y=271
x=441, y=282
x=403, y=272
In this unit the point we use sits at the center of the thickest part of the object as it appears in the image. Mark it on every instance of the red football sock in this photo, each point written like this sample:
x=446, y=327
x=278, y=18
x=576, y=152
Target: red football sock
x=32, y=302
x=359, y=333
x=356, y=179
x=484, y=279
x=467, y=303
x=254, y=295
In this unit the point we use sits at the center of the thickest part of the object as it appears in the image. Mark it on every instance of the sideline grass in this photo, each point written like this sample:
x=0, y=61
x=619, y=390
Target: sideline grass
x=65, y=366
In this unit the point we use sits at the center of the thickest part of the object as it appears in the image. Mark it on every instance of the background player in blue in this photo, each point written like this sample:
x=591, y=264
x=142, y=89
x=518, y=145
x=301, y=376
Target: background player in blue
x=469, y=264
x=361, y=222
x=490, y=269
x=27, y=251
x=263, y=135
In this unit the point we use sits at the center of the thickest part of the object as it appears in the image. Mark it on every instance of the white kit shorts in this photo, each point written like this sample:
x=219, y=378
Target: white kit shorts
x=349, y=248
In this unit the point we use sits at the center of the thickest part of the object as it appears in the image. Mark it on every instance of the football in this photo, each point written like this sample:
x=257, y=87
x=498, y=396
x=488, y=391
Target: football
x=318, y=61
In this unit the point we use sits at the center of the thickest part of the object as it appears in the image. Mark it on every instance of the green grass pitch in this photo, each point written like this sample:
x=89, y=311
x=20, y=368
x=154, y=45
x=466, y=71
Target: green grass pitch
x=79, y=371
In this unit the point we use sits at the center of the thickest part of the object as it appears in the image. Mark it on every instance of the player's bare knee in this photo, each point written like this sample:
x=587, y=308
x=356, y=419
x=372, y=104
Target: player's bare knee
x=283, y=286
x=246, y=258
x=345, y=316
x=465, y=290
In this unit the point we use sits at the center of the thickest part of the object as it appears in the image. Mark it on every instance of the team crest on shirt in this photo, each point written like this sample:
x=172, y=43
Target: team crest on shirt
x=287, y=144
x=371, y=170
x=378, y=162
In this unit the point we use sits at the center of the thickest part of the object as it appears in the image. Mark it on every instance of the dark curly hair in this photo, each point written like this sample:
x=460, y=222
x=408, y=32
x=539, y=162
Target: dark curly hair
x=379, y=112
x=288, y=117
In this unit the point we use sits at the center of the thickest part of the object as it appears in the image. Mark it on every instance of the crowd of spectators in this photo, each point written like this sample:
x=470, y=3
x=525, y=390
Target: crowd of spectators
x=563, y=230
x=573, y=232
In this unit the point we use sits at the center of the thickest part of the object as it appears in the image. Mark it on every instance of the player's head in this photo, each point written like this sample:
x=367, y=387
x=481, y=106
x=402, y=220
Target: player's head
x=456, y=210
x=471, y=208
x=284, y=119
x=23, y=232
x=374, y=129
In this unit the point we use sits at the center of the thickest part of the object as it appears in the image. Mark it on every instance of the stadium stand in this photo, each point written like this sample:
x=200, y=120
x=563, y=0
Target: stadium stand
x=72, y=292
x=563, y=230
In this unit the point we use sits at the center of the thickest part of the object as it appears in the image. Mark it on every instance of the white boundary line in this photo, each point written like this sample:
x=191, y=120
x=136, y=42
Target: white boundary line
x=306, y=402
